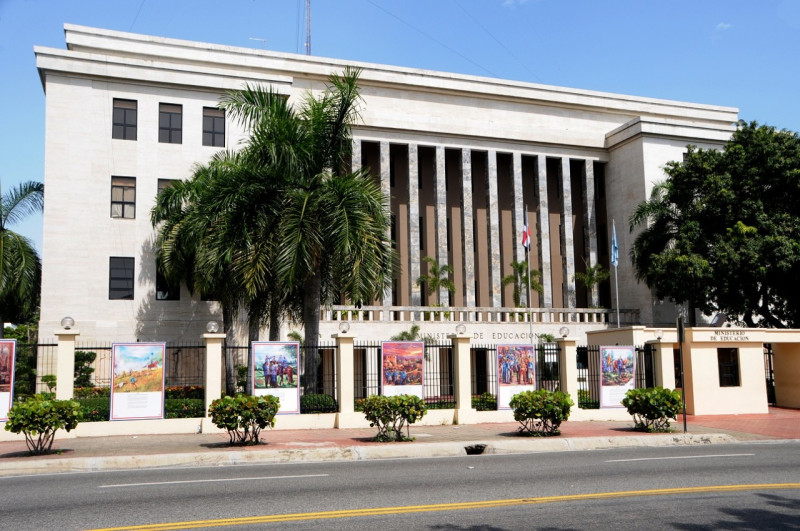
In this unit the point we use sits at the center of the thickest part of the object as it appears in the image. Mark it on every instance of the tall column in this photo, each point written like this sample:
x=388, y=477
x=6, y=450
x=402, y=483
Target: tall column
x=664, y=364
x=65, y=366
x=546, y=297
x=356, y=155
x=567, y=235
x=462, y=387
x=413, y=223
x=494, y=233
x=213, y=367
x=386, y=188
x=467, y=226
x=519, y=219
x=568, y=366
x=347, y=416
x=590, y=227
x=441, y=218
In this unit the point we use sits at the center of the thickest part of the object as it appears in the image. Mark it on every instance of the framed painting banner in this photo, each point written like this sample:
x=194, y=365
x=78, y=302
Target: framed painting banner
x=137, y=381
x=8, y=351
x=516, y=372
x=276, y=371
x=401, y=367
x=617, y=370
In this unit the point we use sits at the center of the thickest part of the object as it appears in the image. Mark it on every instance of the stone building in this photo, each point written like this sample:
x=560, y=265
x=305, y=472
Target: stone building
x=465, y=159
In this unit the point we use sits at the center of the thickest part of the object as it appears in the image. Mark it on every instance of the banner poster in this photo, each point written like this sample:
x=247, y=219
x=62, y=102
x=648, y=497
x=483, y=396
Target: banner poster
x=618, y=368
x=402, y=363
x=516, y=372
x=137, y=377
x=8, y=350
x=276, y=371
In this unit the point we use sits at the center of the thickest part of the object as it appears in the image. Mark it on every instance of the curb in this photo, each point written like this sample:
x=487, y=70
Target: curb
x=27, y=466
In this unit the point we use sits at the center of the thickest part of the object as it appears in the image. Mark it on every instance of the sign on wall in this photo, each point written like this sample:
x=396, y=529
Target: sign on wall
x=402, y=363
x=618, y=370
x=8, y=350
x=137, y=376
x=516, y=372
x=276, y=371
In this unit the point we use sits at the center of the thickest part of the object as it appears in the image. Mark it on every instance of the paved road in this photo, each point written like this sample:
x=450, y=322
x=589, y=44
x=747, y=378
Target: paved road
x=620, y=488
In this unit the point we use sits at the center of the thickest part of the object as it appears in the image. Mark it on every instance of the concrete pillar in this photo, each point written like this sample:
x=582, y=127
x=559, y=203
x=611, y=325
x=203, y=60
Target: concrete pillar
x=467, y=228
x=213, y=367
x=464, y=414
x=568, y=366
x=567, y=235
x=441, y=218
x=495, y=266
x=356, y=155
x=519, y=219
x=663, y=364
x=347, y=417
x=546, y=297
x=386, y=189
x=590, y=227
x=65, y=366
x=414, y=266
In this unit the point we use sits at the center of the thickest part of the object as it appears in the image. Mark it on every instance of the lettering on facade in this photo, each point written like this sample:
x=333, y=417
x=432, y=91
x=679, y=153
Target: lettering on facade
x=729, y=335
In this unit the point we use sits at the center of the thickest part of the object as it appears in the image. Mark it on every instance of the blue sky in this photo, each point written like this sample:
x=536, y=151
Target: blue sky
x=739, y=53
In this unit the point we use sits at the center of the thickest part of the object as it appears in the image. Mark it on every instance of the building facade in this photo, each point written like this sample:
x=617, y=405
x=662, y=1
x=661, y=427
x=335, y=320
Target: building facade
x=466, y=160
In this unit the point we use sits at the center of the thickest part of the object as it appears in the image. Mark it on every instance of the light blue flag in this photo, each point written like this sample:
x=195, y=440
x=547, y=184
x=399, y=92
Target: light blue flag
x=614, y=245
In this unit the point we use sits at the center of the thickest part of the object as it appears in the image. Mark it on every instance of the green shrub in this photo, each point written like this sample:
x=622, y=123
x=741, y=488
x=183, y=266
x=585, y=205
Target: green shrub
x=391, y=413
x=184, y=408
x=244, y=416
x=485, y=402
x=39, y=418
x=83, y=368
x=185, y=391
x=541, y=412
x=585, y=400
x=652, y=407
x=50, y=381
x=91, y=392
x=318, y=403
x=95, y=409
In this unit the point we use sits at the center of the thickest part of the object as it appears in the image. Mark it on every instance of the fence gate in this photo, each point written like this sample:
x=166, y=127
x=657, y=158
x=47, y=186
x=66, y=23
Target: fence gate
x=769, y=373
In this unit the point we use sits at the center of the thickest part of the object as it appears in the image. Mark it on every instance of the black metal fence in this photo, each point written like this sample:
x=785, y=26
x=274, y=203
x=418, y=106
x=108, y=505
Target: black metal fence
x=589, y=373
x=28, y=359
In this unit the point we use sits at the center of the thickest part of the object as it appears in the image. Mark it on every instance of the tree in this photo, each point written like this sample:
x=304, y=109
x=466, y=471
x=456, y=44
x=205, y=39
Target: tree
x=438, y=277
x=722, y=231
x=592, y=277
x=20, y=267
x=520, y=279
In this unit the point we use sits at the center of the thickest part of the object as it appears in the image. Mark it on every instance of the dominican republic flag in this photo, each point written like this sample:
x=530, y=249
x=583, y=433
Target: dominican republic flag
x=526, y=232
x=614, y=245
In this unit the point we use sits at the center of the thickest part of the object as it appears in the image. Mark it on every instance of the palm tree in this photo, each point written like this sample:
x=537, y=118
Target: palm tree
x=520, y=278
x=438, y=278
x=591, y=278
x=20, y=267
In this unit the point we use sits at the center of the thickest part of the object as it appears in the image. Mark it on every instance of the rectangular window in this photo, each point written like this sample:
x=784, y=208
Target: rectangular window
x=123, y=197
x=120, y=278
x=164, y=290
x=124, y=120
x=170, y=123
x=728, y=362
x=213, y=127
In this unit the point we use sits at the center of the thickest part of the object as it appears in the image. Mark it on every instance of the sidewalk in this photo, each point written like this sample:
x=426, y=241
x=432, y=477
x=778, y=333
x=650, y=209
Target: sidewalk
x=126, y=452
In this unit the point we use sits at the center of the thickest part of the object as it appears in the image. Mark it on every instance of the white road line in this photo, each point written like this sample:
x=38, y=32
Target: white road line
x=677, y=457
x=208, y=481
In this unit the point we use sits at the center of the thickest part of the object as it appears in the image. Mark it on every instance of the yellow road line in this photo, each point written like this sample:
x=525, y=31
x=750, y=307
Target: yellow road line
x=378, y=511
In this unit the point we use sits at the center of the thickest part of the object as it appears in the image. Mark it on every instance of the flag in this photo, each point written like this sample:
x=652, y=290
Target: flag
x=526, y=232
x=614, y=245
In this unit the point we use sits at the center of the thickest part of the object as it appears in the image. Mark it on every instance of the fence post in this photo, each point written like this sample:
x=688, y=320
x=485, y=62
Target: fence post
x=663, y=364
x=568, y=366
x=464, y=414
x=65, y=365
x=213, y=367
x=347, y=416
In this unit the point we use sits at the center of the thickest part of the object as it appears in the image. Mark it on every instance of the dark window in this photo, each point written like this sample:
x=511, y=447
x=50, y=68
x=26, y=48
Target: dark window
x=163, y=184
x=728, y=362
x=213, y=127
x=393, y=234
x=124, y=120
x=421, y=233
x=170, y=123
x=166, y=291
x=120, y=278
x=123, y=197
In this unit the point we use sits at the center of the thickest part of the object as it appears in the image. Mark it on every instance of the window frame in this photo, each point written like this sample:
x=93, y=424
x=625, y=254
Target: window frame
x=124, y=124
x=118, y=182
x=124, y=291
x=729, y=367
x=173, y=129
x=212, y=136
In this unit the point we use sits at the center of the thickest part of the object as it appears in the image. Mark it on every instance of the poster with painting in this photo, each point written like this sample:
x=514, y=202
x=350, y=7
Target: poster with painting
x=276, y=371
x=618, y=370
x=137, y=381
x=8, y=350
x=516, y=372
x=401, y=364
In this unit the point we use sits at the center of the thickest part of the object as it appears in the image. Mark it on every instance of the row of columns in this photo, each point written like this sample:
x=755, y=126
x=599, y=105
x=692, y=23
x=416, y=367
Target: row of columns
x=468, y=239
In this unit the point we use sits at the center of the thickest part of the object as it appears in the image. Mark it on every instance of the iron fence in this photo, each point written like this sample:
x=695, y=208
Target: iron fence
x=589, y=373
x=28, y=361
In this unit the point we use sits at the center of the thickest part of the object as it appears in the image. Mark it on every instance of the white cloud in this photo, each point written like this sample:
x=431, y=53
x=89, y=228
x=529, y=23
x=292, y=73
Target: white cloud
x=722, y=26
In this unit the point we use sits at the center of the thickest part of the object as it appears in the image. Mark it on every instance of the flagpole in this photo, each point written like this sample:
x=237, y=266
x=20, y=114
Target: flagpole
x=528, y=274
x=615, y=263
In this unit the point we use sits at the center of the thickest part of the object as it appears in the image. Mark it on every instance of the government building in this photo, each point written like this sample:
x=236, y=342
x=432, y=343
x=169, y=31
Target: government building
x=465, y=159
